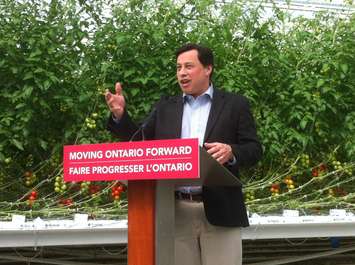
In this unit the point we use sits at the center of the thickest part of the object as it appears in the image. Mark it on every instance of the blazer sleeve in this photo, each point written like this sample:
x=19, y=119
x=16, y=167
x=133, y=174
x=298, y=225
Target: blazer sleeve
x=127, y=130
x=247, y=148
x=124, y=128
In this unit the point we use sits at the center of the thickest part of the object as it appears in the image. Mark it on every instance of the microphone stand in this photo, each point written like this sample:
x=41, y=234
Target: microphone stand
x=143, y=125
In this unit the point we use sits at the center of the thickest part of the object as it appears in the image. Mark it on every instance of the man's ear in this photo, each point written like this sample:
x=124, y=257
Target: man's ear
x=208, y=70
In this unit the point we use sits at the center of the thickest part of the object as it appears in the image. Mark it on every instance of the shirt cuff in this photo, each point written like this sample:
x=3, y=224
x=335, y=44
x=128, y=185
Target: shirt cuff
x=115, y=119
x=232, y=162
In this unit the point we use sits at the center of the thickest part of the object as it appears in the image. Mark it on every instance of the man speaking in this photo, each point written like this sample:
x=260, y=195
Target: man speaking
x=208, y=220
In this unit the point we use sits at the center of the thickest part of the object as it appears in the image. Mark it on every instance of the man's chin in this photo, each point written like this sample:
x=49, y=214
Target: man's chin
x=186, y=90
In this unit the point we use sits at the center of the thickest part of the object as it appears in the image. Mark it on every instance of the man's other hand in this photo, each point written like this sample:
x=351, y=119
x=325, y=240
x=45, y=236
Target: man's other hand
x=116, y=102
x=219, y=151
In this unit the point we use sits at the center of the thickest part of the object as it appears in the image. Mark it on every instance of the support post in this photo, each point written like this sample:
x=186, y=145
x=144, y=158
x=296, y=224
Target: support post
x=141, y=222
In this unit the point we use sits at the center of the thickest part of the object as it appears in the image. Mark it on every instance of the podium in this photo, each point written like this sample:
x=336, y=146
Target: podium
x=151, y=212
x=151, y=202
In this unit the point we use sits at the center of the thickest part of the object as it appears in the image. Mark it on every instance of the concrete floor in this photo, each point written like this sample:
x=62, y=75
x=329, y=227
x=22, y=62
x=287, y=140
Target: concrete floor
x=256, y=252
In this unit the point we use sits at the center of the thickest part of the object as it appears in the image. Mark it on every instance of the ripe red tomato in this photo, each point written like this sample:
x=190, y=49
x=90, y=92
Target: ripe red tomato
x=28, y=174
x=275, y=186
x=315, y=172
x=322, y=167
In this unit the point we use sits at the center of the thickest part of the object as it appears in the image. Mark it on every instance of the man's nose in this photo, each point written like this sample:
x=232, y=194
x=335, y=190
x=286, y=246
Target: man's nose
x=182, y=71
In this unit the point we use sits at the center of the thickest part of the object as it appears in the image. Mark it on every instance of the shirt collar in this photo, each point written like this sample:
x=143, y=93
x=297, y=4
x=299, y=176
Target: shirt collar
x=208, y=92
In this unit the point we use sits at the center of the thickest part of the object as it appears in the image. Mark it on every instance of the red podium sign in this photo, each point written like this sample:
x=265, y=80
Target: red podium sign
x=158, y=159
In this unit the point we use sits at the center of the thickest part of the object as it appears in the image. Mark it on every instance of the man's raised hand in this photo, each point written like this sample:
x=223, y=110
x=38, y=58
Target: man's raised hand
x=116, y=102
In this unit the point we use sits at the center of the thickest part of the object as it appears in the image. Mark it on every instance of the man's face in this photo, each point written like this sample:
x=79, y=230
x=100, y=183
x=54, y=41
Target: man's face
x=192, y=76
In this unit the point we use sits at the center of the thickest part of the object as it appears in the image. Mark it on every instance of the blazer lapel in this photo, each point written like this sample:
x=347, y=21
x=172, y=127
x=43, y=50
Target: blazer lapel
x=216, y=108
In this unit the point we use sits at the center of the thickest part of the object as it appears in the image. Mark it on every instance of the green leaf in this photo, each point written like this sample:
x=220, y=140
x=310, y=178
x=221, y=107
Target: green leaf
x=326, y=89
x=83, y=97
x=43, y=144
x=44, y=104
x=35, y=53
x=14, y=70
x=38, y=70
x=303, y=123
x=320, y=82
x=46, y=84
x=28, y=75
x=344, y=68
x=128, y=73
x=18, y=106
x=134, y=91
x=104, y=67
x=17, y=144
x=120, y=39
x=53, y=78
x=144, y=80
x=25, y=132
x=325, y=67
x=27, y=91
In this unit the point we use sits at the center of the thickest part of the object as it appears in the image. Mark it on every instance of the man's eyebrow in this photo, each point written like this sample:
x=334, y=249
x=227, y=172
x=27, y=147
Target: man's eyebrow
x=185, y=63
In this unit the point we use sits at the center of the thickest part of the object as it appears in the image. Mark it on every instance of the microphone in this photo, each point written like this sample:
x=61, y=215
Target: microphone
x=148, y=119
x=143, y=125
